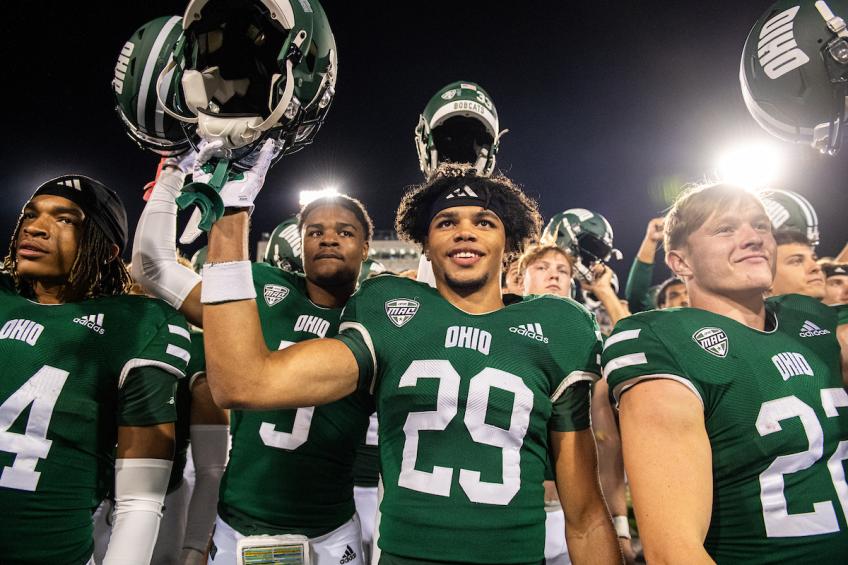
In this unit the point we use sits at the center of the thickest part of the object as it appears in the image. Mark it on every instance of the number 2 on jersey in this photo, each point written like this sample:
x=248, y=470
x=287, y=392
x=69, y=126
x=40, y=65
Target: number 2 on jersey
x=822, y=520
x=41, y=391
x=438, y=481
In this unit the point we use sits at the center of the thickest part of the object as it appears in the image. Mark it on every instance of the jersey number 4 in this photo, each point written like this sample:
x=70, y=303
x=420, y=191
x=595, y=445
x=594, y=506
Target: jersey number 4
x=822, y=520
x=438, y=481
x=41, y=391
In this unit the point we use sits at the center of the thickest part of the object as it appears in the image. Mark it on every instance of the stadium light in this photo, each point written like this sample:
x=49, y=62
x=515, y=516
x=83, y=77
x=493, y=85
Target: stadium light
x=307, y=196
x=752, y=166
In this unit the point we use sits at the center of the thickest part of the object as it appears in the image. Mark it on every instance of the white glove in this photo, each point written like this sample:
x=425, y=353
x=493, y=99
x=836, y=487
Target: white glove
x=241, y=188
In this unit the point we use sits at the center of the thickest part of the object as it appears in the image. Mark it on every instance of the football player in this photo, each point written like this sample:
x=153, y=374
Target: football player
x=466, y=403
x=797, y=269
x=733, y=413
x=288, y=485
x=547, y=269
x=836, y=283
x=86, y=368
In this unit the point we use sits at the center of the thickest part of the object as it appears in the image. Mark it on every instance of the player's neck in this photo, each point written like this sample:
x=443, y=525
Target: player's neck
x=329, y=296
x=486, y=299
x=747, y=308
x=47, y=292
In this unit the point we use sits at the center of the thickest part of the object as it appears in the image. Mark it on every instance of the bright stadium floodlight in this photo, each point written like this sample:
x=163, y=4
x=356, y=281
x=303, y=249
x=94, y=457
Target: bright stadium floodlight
x=307, y=196
x=752, y=166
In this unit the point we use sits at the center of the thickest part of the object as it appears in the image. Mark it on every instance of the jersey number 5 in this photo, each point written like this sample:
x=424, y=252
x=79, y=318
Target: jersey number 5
x=438, y=481
x=822, y=520
x=41, y=391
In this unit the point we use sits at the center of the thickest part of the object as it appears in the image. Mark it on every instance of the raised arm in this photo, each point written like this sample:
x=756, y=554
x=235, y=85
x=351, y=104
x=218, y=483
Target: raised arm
x=669, y=466
x=241, y=371
x=154, y=254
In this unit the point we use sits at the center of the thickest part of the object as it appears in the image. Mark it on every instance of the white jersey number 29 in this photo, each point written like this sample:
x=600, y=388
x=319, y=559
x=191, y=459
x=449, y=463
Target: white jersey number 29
x=438, y=481
x=822, y=520
x=41, y=391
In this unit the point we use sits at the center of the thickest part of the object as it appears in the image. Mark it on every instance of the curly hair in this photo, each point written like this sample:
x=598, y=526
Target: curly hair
x=95, y=271
x=521, y=219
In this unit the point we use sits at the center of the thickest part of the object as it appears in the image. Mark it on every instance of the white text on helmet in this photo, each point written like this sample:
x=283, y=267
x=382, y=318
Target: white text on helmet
x=121, y=67
x=777, y=50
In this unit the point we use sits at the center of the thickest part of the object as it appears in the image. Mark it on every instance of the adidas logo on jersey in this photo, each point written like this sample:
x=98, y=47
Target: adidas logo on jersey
x=809, y=329
x=274, y=294
x=94, y=322
x=533, y=331
x=349, y=555
x=401, y=310
x=312, y=324
x=469, y=338
x=26, y=331
x=712, y=340
x=791, y=365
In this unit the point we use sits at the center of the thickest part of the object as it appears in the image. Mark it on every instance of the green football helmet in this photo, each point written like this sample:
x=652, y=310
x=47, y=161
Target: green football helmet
x=794, y=71
x=585, y=235
x=252, y=69
x=285, y=249
x=789, y=211
x=370, y=267
x=142, y=59
x=459, y=124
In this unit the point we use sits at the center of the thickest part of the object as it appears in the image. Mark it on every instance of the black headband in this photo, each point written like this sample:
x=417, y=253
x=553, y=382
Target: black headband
x=835, y=269
x=465, y=196
x=98, y=202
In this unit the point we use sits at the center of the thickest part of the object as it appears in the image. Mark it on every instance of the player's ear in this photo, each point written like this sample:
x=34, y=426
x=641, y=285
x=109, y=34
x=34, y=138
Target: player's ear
x=678, y=263
x=365, y=247
x=113, y=252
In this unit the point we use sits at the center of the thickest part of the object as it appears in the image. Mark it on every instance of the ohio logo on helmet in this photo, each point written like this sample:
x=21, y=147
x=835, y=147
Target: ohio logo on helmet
x=712, y=340
x=401, y=310
x=777, y=49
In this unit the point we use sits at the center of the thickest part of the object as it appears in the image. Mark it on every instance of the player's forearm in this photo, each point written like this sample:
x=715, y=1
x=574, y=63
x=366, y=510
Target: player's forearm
x=591, y=538
x=610, y=459
x=647, y=251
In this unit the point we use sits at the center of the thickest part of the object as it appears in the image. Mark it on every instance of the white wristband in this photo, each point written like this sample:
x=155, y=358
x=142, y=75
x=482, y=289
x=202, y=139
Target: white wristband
x=224, y=282
x=622, y=526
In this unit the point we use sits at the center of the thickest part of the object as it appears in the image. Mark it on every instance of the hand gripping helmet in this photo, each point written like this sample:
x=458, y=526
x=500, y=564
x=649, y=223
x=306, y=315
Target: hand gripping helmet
x=142, y=59
x=459, y=124
x=591, y=301
x=789, y=211
x=284, y=249
x=794, y=71
x=585, y=235
x=252, y=69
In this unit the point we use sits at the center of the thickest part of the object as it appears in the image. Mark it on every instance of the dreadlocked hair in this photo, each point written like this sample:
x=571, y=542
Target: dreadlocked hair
x=94, y=272
x=521, y=219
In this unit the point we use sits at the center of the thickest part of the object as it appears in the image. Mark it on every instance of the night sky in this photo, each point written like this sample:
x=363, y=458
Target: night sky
x=610, y=105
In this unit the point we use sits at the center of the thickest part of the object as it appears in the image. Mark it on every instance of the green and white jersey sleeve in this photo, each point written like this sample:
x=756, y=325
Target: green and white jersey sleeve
x=291, y=471
x=466, y=403
x=776, y=416
x=72, y=374
x=841, y=314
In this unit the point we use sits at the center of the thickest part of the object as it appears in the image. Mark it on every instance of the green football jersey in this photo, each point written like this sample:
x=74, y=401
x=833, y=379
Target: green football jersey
x=776, y=416
x=841, y=314
x=291, y=471
x=466, y=403
x=182, y=428
x=73, y=374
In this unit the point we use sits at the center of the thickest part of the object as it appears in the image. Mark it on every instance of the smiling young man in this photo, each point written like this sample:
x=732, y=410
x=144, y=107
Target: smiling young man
x=733, y=415
x=86, y=367
x=290, y=472
x=468, y=406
